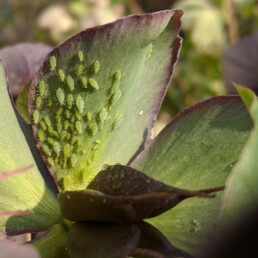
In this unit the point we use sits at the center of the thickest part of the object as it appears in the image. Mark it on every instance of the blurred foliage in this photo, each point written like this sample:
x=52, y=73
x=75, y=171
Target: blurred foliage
x=209, y=28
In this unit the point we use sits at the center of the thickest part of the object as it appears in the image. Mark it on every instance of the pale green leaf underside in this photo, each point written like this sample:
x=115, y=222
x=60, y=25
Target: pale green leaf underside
x=241, y=195
x=197, y=150
x=26, y=190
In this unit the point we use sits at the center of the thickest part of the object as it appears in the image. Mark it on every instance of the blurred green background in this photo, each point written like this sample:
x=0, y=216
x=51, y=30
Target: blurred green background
x=209, y=28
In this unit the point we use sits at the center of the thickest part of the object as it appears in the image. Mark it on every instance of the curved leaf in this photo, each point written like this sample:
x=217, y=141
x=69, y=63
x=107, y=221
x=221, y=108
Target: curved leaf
x=99, y=87
x=25, y=189
x=196, y=150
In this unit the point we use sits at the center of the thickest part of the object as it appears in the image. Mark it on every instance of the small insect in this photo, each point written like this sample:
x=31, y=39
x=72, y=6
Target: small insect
x=59, y=111
x=68, y=136
x=89, y=116
x=73, y=160
x=115, y=86
x=96, y=66
x=63, y=134
x=116, y=96
x=118, y=75
x=70, y=82
x=67, y=114
x=119, y=120
x=69, y=100
x=79, y=70
x=98, y=141
x=78, y=127
x=67, y=150
x=93, y=128
x=50, y=140
x=50, y=130
x=94, y=83
x=149, y=52
x=49, y=100
x=56, y=148
x=60, y=96
x=58, y=119
x=52, y=62
x=46, y=149
x=55, y=133
x=80, y=55
x=89, y=161
x=84, y=82
x=36, y=116
x=102, y=115
x=61, y=75
x=59, y=127
x=78, y=116
x=74, y=139
x=47, y=120
x=42, y=88
x=66, y=124
x=38, y=101
x=51, y=162
x=43, y=125
x=95, y=155
x=80, y=103
x=41, y=135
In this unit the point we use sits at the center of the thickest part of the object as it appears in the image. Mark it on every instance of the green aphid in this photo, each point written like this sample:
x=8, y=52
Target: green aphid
x=79, y=70
x=51, y=162
x=35, y=116
x=50, y=130
x=43, y=125
x=118, y=75
x=60, y=96
x=84, y=82
x=98, y=141
x=46, y=149
x=50, y=140
x=115, y=97
x=50, y=101
x=89, y=116
x=38, y=101
x=78, y=116
x=115, y=87
x=59, y=127
x=93, y=128
x=41, y=135
x=59, y=111
x=70, y=82
x=67, y=150
x=78, y=126
x=119, y=120
x=96, y=66
x=58, y=119
x=66, y=124
x=56, y=148
x=69, y=101
x=47, y=120
x=93, y=83
x=68, y=136
x=56, y=134
x=102, y=115
x=61, y=75
x=42, y=88
x=71, y=127
x=63, y=134
x=80, y=55
x=52, y=62
x=149, y=52
x=74, y=139
x=73, y=160
x=67, y=114
x=80, y=103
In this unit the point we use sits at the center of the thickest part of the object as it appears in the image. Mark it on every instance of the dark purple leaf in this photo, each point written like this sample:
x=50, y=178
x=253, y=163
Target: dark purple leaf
x=22, y=62
x=121, y=194
x=240, y=64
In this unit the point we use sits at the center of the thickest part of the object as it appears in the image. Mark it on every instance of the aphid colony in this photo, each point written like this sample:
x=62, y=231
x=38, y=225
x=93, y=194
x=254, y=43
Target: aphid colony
x=61, y=133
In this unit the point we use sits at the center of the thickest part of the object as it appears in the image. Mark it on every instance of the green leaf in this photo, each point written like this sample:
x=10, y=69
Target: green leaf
x=241, y=193
x=53, y=243
x=117, y=75
x=25, y=189
x=196, y=150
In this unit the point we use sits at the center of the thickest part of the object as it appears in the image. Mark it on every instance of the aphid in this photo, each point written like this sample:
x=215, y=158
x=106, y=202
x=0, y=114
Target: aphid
x=42, y=88
x=58, y=119
x=47, y=120
x=51, y=162
x=69, y=101
x=41, y=135
x=102, y=115
x=50, y=140
x=108, y=118
x=84, y=82
x=50, y=130
x=52, y=62
x=78, y=126
x=67, y=114
x=46, y=149
x=79, y=70
x=80, y=103
x=56, y=160
x=89, y=161
x=119, y=120
x=60, y=96
x=63, y=134
x=38, y=101
x=95, y=147
x=67, y=150
x=68, y=136
x=43, y=125
x=70, y=82
x=100, y=127
x=73, y=160
x=59, y=111
x=98, y=141
x=89, y=116
x=49, y=100
x=59, y=127
x=118, y=75
x=93, y=128
x=95, y=155
x=96, y=66
x=61, y=75
x=94, y=83
x=66, y=124
x=55, y=133
x=65, y=179
x=74, y=139
x=149, y=52
x=84, y=152
x=56, y=148
x=116, y=96
x=114, y=87
x=80, y=55
x=71, y=127
x=78, y=116
x=36, y=116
